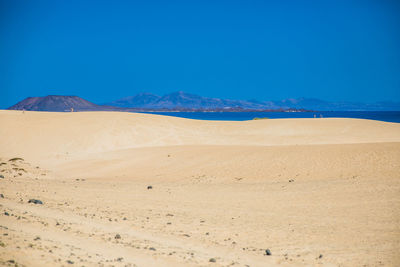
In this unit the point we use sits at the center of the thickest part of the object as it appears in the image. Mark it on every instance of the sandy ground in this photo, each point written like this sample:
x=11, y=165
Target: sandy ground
x=315, y=192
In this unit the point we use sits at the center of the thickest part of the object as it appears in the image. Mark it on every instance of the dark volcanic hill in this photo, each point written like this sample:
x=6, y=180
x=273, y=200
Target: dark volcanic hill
x=55, y=103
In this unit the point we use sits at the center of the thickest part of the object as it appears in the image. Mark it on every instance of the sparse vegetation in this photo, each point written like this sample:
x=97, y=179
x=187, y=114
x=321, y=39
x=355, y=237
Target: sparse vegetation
x=35, y=201
x=265, y=118
x=15, y=159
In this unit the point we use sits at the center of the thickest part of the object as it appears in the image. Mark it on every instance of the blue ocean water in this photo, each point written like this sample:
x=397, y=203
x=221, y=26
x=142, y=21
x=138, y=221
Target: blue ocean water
x=389, y=116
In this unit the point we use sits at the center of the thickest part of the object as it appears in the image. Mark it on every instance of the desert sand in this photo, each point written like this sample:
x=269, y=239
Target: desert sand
x=125, y=189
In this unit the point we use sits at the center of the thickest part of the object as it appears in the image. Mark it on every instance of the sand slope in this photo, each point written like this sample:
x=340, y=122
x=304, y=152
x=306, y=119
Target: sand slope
x=42, y=133
x=313, y=191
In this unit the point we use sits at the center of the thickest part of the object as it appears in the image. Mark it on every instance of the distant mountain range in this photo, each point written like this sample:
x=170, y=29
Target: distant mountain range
x=185, y=100
x=181, y=101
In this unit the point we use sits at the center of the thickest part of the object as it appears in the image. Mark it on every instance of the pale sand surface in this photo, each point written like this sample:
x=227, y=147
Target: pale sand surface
x=220, y=190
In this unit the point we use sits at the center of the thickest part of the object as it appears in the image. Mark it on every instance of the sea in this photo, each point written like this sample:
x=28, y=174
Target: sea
x=388, y=116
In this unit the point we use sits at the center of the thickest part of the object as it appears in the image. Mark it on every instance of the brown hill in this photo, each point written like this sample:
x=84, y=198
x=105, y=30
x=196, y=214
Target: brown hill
x=55, y=103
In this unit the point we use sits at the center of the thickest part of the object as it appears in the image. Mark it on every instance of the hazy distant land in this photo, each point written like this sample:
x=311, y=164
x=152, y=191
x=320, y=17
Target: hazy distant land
x=180, y=101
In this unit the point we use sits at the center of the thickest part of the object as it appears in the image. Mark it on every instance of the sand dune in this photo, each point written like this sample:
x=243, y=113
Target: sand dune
x=41, y=133
x=312, y=191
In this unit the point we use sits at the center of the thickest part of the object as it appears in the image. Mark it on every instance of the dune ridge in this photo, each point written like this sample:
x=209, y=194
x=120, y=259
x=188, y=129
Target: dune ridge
x=42, y=133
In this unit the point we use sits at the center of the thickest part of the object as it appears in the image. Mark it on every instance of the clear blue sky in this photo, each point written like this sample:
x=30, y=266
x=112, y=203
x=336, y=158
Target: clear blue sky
x=104, y=50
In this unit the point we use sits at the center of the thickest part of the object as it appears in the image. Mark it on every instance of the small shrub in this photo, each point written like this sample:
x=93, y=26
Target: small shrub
x=15, y=159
